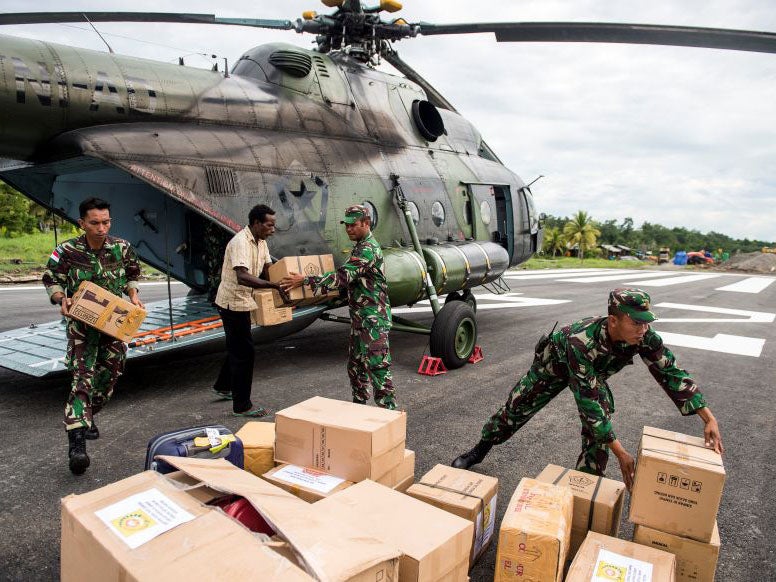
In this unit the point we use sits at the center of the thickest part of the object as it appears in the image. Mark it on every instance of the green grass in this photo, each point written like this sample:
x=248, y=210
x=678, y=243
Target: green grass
x=27, y=255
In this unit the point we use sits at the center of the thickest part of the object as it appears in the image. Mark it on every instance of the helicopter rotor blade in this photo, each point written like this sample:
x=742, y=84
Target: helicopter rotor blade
x=60, y=17
x=602, y=32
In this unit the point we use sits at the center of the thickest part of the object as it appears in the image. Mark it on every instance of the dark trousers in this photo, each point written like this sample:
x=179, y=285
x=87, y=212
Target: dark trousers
x=236, y=373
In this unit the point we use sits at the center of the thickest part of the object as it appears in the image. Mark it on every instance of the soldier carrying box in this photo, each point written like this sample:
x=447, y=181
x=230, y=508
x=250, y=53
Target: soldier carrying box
x=95, y=359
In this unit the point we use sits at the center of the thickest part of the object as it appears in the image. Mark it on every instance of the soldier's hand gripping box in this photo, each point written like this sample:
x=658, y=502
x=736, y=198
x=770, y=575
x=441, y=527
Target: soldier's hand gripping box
x=597, y=502
x=678, y=484
x=466, y=494
x=268, y=313
x=103, y=310
x=351, y=441
x=605, y=558
x=534, y=537
x=695, y=561
x=308, y=265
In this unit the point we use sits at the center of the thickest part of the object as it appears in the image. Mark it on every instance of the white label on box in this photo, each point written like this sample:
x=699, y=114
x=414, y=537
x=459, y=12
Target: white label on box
x=611, y=567
x=143, y=516
x=483, y=534
x=308, y=478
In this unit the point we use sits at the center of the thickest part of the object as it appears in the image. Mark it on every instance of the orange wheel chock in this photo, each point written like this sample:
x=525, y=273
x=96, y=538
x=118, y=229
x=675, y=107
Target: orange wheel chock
x=476, y=355
x=431, y=366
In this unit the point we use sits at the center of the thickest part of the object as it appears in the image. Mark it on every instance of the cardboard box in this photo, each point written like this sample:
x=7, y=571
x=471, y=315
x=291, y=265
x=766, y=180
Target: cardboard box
x=597, y=502
x=268, y=313
x=435, y=544
x=678, y=484
x=351, y=441
x=99, y=527
x=307, y=265
x=308, y=485
x=695, y=561
x=105, y=311
x=258, y=439
x=605, y=558
x=400, y=473
x=534, y=537
x=466, y=494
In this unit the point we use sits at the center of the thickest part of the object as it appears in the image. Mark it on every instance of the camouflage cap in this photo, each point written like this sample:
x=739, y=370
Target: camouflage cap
x=354, y=213
x=632, y=302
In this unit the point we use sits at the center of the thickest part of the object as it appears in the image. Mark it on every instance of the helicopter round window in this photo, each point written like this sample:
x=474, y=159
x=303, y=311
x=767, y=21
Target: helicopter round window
x=372, y=212
x=438, y=213
x=414, y=212
x=485, y=211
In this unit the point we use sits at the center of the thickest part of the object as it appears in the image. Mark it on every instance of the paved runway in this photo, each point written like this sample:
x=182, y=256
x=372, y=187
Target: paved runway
x=721, y=326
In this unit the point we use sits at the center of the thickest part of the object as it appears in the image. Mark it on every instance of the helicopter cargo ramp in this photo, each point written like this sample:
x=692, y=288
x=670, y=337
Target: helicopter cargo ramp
x=39, y=350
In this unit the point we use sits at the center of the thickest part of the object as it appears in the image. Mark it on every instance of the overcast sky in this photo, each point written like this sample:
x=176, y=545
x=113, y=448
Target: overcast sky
x=675, y=136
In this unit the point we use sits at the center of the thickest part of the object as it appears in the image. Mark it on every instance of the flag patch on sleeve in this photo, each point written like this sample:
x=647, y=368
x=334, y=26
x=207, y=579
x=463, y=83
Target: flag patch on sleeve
x=54, y=256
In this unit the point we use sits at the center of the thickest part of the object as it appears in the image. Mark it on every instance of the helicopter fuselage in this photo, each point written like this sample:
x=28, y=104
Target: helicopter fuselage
x=173, y=147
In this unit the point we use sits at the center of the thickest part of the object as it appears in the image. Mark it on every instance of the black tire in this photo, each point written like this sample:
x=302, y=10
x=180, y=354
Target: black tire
x=465, y=296
x=454, y=334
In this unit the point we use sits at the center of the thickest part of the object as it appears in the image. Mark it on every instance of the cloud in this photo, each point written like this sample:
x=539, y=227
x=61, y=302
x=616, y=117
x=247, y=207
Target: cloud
x=676, y=136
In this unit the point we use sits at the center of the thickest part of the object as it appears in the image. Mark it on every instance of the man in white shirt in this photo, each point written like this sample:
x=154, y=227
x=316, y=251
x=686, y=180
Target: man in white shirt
x=244, y=269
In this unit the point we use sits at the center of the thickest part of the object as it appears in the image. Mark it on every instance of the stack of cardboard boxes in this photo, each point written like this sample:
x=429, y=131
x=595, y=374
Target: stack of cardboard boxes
x=152, y=526
x=675, y=500
x=271, y=308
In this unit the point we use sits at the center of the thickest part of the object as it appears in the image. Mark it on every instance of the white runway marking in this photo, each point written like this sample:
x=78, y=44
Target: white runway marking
x=748, y=285
x=554, y=273
x=745, y=316
x=728, y=344
x=618, y=276
x=505, y=301
x=677, y=280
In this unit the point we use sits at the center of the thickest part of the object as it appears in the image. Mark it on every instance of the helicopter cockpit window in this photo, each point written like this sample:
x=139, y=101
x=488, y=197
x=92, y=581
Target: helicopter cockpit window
x=414, y=212
x=485, y=212
x=485, y=152
x=372, y=212
x=438, y=213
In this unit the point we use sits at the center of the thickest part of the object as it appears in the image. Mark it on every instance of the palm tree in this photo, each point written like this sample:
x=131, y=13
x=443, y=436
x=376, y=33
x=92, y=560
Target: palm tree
x=581, y=230
x=553, y=241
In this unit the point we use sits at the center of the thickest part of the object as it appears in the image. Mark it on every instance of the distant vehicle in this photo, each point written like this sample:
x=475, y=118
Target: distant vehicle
x=699, y=258
x=664, y=255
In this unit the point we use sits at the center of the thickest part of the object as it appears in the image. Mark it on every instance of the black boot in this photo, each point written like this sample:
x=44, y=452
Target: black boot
x=357, y=401
x=474, y=456
x=79, y=460
x=93, y=433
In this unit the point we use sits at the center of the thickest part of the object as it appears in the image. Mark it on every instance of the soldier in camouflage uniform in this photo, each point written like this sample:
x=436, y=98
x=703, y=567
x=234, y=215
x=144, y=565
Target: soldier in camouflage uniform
x=96, y=360
x=363, y=276
x=582, y=356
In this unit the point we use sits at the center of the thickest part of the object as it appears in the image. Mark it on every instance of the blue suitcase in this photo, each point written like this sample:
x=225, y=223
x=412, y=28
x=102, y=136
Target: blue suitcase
x=221, y=443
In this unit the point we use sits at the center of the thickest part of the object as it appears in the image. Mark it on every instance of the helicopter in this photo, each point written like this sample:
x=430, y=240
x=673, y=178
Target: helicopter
x=178, y=150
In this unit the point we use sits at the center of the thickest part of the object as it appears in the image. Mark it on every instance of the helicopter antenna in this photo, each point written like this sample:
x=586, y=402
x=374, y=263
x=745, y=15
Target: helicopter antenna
x=98, y=33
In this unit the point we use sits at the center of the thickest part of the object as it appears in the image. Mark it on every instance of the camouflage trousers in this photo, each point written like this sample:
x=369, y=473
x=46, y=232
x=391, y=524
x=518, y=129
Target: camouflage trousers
x=369, y=363
x=96, y=361
x=545, y=379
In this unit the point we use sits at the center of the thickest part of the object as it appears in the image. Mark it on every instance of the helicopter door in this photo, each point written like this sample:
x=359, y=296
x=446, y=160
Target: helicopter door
x=492, y=212
x=504, y=232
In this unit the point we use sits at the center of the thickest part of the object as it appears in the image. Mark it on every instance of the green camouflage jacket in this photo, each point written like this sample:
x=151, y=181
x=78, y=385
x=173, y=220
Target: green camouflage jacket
x=589, y=357
x=114, y=267
x=363, y=276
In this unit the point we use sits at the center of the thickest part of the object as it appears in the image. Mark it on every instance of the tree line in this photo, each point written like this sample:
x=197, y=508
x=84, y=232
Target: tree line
x=583, y=232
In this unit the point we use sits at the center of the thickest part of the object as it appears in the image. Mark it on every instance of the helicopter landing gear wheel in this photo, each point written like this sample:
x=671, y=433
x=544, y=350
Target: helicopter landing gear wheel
x=466, y=296
x=454, y=334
